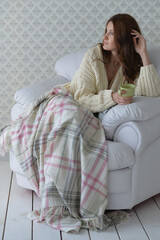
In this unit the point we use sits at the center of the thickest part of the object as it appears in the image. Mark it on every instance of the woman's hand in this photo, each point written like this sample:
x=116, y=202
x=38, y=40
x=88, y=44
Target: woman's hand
x=139, y=42
x=121, y=100
x=140, y=47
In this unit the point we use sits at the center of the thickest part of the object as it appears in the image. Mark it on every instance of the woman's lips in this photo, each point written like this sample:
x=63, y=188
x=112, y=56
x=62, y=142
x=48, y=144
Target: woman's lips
x=105, y=42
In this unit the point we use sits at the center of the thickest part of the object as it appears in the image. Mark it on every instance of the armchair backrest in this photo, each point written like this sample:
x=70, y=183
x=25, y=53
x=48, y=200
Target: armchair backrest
x=67, y=65
x=154, y=54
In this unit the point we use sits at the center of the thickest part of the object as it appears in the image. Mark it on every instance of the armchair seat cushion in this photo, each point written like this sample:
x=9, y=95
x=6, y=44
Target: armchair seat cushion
x=120, y=180
x=120, y=155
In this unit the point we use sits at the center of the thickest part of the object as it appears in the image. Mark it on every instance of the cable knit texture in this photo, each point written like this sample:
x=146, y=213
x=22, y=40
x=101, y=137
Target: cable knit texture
x=90, y=86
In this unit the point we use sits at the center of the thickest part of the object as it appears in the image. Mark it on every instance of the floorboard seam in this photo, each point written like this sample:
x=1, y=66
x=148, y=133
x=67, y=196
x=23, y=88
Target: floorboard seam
x=141, y=224
x=9, y=192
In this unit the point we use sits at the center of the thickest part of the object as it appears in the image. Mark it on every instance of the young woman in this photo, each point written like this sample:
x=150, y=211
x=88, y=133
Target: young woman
x=121, y=58
x=61, y=146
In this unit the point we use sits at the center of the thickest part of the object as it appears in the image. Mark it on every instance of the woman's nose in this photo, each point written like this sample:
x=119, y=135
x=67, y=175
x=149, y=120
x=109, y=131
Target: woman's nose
x=106, y=36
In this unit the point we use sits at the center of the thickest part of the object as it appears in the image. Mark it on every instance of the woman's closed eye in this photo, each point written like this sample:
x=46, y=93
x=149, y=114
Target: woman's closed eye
x=111, y=33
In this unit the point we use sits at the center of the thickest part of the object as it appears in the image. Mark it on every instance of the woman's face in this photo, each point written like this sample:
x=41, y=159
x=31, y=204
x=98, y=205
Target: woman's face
x=108, y=39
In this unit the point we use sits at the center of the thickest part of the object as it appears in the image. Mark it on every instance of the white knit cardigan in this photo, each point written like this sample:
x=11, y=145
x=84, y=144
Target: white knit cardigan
x=90, y=86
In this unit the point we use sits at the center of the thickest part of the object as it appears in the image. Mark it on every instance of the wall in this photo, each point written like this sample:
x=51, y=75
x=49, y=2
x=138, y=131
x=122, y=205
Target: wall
x=34, y=34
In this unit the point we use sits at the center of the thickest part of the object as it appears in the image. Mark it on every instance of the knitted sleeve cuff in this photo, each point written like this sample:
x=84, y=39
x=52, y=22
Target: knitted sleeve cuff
x=148, y=83
x=98, y=103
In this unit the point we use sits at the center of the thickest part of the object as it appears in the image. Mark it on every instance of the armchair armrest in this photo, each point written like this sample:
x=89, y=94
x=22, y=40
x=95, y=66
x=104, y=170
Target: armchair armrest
x=138, y=135
x=136, y=124
x=31, y=92
x=142, y=109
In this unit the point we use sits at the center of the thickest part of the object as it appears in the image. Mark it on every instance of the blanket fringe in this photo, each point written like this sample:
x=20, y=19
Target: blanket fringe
x=103, y=222
x=60, y=218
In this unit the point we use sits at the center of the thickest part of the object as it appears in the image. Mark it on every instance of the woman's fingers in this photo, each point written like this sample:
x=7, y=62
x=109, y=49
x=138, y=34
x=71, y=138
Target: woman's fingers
x=139, y=42
x=135, y=33
x=125, y=100
x=121, y=100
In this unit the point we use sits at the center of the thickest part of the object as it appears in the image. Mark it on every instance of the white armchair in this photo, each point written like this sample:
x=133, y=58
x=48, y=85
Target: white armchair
x=132, y=132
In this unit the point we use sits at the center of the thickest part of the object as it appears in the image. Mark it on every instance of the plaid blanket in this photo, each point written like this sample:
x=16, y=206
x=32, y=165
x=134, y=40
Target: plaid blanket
x=62, y=150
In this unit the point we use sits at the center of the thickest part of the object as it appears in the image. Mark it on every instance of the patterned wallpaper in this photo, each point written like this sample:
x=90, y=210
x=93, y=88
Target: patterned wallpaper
x=34, y=34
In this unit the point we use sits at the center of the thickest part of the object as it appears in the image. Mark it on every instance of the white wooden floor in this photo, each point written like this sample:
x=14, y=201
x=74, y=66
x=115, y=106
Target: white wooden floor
x=15, y=202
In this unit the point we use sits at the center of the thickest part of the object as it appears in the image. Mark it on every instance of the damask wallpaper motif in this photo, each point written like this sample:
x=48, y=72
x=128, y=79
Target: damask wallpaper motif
x=34, y=34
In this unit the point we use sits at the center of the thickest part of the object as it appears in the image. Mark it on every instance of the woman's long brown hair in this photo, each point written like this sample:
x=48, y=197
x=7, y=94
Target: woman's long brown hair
x=129, y=58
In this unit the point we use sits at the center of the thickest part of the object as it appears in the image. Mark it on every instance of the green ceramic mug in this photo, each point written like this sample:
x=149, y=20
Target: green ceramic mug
x=129, y=90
